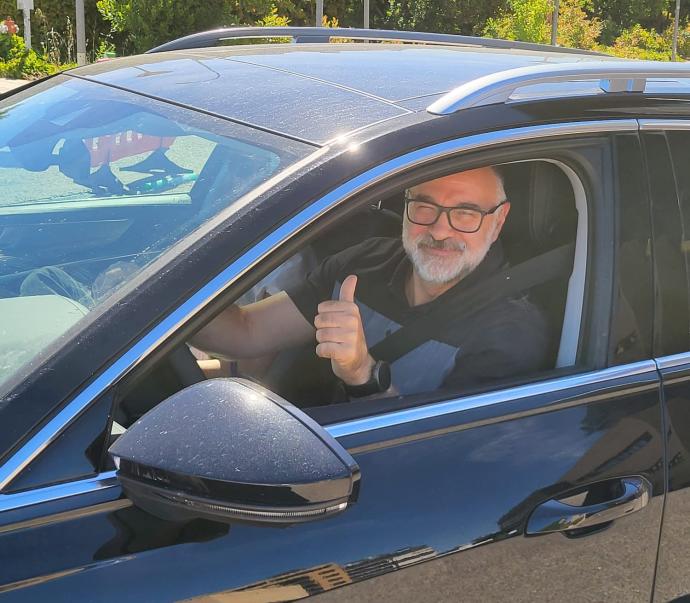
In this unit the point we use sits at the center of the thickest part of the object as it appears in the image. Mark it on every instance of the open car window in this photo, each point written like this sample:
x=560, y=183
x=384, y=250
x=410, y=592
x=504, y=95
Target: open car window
x=547, y=224
x=98, y=183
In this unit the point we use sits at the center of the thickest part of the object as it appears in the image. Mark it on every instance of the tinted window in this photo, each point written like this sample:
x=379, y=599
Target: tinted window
x=671, y=223
x=97, y=183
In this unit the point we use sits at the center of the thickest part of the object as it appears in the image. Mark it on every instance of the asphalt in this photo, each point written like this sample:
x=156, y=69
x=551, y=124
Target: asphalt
x=7, y=85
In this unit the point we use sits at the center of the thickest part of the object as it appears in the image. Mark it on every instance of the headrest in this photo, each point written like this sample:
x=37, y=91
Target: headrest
x=543, y=214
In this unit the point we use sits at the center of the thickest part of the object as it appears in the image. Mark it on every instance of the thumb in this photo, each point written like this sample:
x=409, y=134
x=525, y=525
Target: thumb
x=347, y=289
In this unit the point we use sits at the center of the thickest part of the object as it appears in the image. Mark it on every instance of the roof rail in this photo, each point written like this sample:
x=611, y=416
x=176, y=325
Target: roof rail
x=613, y=76
x=322, y=35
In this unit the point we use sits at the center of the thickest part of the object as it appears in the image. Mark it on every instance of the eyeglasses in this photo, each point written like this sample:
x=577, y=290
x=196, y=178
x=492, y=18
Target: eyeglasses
x=461, y=218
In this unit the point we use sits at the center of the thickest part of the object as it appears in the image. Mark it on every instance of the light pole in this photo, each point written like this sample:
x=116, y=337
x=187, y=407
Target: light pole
x=366, y=14
x=554, y=24
x=81, y=34
x=26, y=6
x=319, y=13
x=675, y=31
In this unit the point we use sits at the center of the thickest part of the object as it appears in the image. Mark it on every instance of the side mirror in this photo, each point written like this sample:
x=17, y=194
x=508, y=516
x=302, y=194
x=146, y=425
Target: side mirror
x=230, y=450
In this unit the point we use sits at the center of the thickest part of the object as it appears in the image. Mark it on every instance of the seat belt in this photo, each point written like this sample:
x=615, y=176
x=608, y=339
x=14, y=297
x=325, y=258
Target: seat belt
x=535, y=271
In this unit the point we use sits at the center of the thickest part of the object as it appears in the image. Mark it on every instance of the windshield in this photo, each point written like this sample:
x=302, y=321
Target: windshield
x=96, y=184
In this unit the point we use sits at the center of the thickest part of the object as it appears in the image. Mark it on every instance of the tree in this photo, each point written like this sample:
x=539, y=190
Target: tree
x=52, y=26
x=575, y=28
x=530, y=21
x=143, y=24
x=526, y=20
x=467, y=17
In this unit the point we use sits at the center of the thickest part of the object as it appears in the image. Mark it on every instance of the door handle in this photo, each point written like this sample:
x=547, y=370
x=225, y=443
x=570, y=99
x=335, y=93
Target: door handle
x=557, y=516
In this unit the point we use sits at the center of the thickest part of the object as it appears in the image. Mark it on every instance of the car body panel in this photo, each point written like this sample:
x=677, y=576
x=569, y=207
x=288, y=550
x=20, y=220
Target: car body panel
x=671, y=334
x=417, y=503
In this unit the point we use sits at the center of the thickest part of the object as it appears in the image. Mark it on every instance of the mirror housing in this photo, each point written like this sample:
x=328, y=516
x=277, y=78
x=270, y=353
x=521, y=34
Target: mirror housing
x=231, y=450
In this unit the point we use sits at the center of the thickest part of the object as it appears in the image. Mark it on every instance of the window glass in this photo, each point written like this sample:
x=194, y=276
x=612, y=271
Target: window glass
x=449, y=305
x=679, y=143
x=670, y=188
x=632, y=318
x=97, y=183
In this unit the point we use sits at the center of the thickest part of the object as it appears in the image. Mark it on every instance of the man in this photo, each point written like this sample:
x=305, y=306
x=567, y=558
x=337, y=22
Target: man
x=357, y=297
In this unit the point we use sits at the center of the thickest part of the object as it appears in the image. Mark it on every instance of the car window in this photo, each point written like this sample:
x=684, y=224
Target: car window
x=548, y=223
x=493, y=334
x=668, y=159
x=97, y=183
x=436, y=303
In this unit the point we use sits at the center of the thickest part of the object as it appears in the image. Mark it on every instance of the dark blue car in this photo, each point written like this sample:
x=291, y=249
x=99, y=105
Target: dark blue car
x=142, y=197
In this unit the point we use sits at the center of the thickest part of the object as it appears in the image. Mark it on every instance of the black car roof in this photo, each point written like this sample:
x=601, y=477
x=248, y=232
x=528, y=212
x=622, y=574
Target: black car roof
x=313, y=92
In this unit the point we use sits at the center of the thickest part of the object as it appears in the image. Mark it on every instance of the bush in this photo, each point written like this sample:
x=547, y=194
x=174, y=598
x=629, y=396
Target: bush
x=52, y=27
x=530, y=21
x=18, y=62
x=639, y=43
x=683, y=40
x=445, y=16
x=143, y=24
x=526, y=20
x=624, y=14
x=575, y=28
x=273, y=19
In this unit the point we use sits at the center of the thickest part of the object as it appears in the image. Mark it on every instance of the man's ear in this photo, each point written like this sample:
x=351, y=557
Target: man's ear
x=501, y=216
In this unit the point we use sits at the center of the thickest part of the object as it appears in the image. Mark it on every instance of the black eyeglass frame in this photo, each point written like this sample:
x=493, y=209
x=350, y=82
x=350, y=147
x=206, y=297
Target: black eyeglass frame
x=441, y=209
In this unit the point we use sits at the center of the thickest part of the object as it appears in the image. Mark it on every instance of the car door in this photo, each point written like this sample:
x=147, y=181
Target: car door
x=666, y=144
x=551, y=488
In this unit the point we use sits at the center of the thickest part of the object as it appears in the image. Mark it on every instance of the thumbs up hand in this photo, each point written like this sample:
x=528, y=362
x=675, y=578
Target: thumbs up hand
x=340, y=336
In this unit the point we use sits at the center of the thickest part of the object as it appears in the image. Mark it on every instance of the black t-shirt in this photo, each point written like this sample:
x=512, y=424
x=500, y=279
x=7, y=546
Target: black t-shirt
x=506, y=338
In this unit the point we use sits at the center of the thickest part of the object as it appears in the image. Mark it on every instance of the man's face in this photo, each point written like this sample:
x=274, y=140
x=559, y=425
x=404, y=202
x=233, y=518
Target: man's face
x=440, y=254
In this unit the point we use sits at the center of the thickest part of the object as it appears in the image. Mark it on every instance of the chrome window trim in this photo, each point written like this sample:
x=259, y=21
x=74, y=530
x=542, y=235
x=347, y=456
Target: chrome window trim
x=673, y=361
x=196, y=303
x=664, y=124
x=108, y=479
x=448, y=407
x=29, y=498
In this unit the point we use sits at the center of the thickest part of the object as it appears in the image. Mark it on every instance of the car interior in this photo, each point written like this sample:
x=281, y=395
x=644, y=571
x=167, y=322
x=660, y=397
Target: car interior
x=548, y=212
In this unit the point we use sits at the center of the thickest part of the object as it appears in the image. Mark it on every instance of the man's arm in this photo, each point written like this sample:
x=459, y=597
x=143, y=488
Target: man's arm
x=264, y=327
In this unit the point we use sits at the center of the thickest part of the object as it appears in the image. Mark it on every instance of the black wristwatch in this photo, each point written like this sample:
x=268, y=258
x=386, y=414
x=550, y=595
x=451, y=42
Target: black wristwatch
x=379, y=381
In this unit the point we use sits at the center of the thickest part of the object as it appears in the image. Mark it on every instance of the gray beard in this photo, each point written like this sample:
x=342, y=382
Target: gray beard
x=440, y=270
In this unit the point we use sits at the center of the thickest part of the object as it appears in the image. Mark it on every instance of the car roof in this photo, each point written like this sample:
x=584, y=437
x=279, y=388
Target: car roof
x=313, y=92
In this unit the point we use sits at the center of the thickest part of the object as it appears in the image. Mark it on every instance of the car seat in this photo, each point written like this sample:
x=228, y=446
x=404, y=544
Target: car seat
x=544, y=216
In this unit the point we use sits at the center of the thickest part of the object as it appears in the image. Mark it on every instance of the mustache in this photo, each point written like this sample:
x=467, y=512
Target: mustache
x=446, y=244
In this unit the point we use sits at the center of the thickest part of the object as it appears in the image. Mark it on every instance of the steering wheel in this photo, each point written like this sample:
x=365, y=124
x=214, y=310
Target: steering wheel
x=302, y=378
x=185, y=366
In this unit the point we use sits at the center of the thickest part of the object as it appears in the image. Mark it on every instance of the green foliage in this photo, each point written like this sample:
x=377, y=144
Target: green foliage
x=575, y=28
x=18, y=62
x=635, y=28
x=52, y=27
x=526, y=20
x=623, y=14
x=140, y=25
x=465, y=17
x=683, y=40
x=106, y=49
x=273, y=19
x=639, y=43
x=250, y=12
